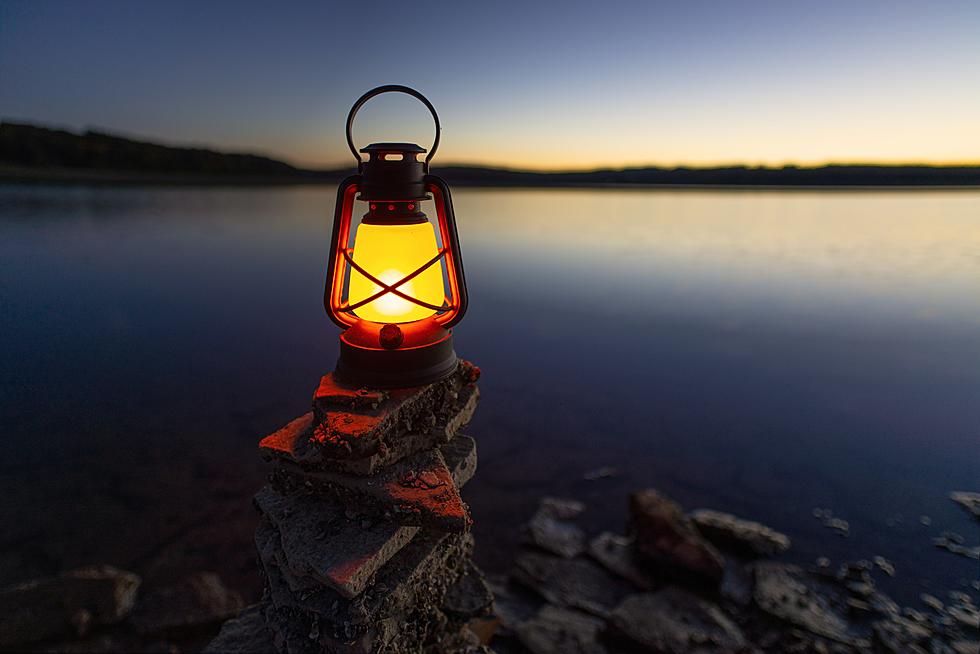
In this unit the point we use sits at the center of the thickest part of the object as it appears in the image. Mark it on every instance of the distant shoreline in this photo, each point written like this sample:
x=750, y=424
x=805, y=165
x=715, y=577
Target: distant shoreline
x=35, y=154
x=89, y=177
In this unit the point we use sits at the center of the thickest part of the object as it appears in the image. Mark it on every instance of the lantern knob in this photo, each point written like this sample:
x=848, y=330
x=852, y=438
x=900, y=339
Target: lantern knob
x=391, y=88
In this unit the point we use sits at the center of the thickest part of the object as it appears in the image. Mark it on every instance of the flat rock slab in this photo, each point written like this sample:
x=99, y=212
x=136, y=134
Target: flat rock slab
x=617, y=554
x=302, y=441
x=414, y=581
x=668, y=539
x=674, y=621
x=244, y=634
x=360, y=430
x=469, y=597
x=740, y=536
x=316, y=541
x=577, y=583
x=551, y=530
x=556, y=630
x=420, y=490
x=65, y=605
x=783, y=592
x=196, y=600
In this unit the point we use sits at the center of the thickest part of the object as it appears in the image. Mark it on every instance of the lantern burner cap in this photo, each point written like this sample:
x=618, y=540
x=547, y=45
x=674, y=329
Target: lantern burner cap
x=393, y=172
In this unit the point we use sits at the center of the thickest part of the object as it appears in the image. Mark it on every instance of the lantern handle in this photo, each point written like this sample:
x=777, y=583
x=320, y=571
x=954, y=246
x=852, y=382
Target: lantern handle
x=391, y=88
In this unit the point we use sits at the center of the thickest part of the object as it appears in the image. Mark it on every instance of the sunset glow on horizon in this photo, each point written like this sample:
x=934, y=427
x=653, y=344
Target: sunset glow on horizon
x=530, y=86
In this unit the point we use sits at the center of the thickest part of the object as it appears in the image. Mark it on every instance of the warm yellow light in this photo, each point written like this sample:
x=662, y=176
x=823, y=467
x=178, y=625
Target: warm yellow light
x=390, y=252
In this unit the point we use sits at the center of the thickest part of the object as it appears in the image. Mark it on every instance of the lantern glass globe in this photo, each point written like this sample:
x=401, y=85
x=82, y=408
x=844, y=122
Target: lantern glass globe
x=389, y=253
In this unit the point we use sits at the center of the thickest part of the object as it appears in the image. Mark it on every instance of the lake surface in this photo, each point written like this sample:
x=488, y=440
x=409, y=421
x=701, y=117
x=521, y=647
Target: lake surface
x=760, y=352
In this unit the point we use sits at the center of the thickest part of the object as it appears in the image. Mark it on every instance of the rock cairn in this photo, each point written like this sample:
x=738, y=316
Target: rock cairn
x=364, y=541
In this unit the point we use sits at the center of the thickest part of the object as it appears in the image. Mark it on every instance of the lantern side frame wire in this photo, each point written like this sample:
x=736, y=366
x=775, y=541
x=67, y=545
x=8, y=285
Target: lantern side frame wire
x=393, y=288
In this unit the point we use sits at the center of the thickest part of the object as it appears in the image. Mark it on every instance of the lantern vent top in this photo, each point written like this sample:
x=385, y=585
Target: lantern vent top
x=393, y=173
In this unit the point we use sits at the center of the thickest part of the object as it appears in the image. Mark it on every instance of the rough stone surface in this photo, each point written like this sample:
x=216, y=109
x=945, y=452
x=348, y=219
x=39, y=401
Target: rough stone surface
x=65, y=605
x=315, y=542
x=313, y=538
x=577, y=583
x=673, y=621
x=344, y=431
x=556, y=630
x=300, y=441
x=469, y=597
x=244, y=634
x=551, y=530
x=419, y=490
x=617, y=554
x=666, y=538
x=417, y=576
x=740, y=536
x=199, y=599
x=782, y=592
x=969, y=501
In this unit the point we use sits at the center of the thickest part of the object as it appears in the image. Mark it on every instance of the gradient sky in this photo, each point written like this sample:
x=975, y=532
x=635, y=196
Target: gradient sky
x=524, y=84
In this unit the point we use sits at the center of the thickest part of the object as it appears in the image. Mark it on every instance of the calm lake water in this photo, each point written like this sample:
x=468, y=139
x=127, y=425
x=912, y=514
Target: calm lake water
x=760, y=352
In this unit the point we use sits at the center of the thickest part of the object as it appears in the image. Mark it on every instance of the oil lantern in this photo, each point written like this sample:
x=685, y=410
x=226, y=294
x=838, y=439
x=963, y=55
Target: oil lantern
x=395, y=280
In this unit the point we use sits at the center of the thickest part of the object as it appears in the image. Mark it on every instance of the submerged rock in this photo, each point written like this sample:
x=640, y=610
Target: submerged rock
x=674, y=621
x=244, y=634
x=556, y=630
x=550, y=530
x=577, y=583
x=899, y=635
x=617, y=554
x=199, y=599
x=65, y=605
x=782, y=592
x=668, y=539
x=741, y=536
x=969, y=501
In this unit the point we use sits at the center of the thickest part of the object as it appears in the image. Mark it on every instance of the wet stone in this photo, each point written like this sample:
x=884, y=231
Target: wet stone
x=674, y=621
x=196, y=600
x=557, y=630
x=784, y=592
x=420, y=490
x=576, y=583
x=898, y=635
x=68, y=604
x=668, y=539
x=551, y=530
x=740, y=536
x=617, y=554
x=244, y=634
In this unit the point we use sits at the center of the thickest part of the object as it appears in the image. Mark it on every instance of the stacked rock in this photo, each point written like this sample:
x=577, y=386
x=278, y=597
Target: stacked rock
x=364, y=540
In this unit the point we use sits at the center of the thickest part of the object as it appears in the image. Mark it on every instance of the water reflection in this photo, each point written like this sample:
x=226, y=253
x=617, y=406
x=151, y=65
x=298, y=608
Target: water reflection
x=760, y=352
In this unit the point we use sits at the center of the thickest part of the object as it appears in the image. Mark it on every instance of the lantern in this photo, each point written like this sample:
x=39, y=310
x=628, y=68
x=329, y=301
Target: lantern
x=395, y=280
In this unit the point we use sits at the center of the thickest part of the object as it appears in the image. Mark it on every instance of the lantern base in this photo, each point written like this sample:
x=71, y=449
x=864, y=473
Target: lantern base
x=425, y=355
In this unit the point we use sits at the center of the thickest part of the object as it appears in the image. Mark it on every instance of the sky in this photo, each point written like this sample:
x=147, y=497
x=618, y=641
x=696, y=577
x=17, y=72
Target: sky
x=550, y=84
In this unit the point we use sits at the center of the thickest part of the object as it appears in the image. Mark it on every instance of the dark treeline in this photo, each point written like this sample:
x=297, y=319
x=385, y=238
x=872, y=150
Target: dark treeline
x=31, y=152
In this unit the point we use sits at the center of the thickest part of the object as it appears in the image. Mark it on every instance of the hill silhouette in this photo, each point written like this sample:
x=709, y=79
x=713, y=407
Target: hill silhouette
x=35, y=153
